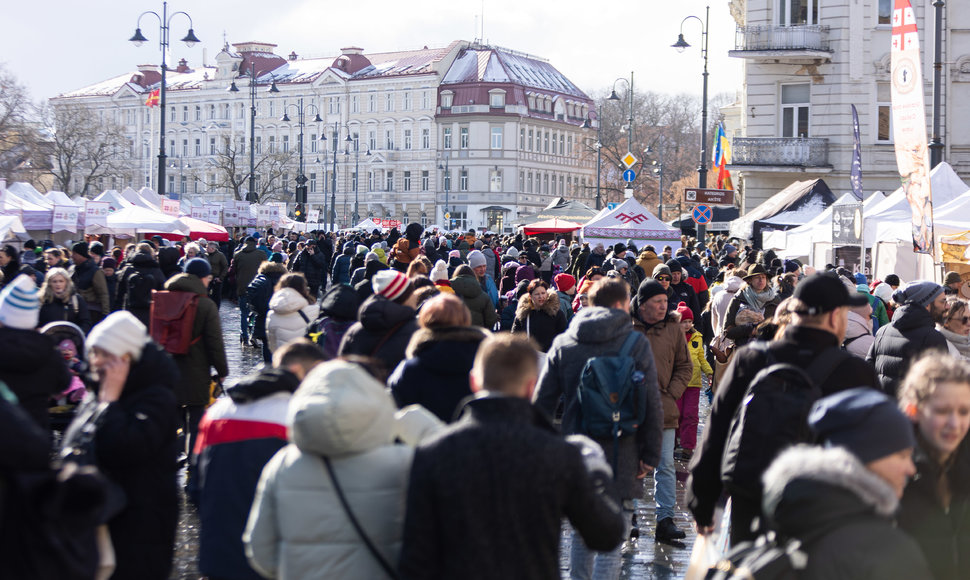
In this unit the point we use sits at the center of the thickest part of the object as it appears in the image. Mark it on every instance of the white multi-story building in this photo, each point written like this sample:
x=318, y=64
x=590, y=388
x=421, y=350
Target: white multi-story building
x=805, y=63
x=478, y=133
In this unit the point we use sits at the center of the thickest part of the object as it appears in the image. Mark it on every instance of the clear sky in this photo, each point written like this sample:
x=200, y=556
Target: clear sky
x=54, y=47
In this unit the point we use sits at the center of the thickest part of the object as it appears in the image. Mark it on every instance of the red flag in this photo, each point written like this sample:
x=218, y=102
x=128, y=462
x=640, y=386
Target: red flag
x=153, y=98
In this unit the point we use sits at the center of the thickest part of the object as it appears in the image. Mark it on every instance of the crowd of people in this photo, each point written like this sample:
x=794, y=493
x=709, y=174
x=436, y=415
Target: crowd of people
x=434, y=405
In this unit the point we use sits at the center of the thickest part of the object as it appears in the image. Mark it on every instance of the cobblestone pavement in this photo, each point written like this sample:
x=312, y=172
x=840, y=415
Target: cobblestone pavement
x=650, y=561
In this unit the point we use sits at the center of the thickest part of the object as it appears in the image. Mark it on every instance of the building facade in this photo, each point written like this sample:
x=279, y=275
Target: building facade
x=805, y=63
x=465, y=135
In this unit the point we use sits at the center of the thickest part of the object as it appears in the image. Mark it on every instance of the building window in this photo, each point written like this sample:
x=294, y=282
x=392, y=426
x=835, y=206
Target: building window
x=212, y=111
x=354, y=104
x=463, y=180
x=884, y=116
x=569, y=145
x=522, y=139
x=353, y=180
x=171, y=118
x=425, y=180
x=286, y=143
x=198, y=147
x=370, y=181
x=496, y=98
x=798, y=12
x=425, y=100
x=530, y=139
x=390, y=181
x=407, y=181
x=495, y=180
x=389, y=101
x=545, y=184
x=528, y=188
x=212, y=145
x=446, y=138
x=313, y=183
x=407, y=139
x=545, y=142
x=463, y=137
x=271, y=108
x=372, y=103
x=406, y=101
x=198, y=112
x=562, y=144
x=794, y=110
x=389, y=138
x=562, y=185
x=185, y=113
x=259, y=145
x=272, y=143
x=447, y=97
x=496, y=137
x=313, y=142
x=241, y=148
x=372, y=139
x=426, y=138
x=185, y=147
x=226, y=112
x=522, y=181
x=885, y=14
x=446, y=180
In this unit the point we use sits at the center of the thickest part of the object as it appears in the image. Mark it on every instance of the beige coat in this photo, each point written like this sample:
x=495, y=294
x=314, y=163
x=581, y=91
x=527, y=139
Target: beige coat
x=674, y=367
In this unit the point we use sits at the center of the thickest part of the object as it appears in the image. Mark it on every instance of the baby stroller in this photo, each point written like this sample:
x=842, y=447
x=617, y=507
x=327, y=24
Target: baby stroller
x=69, y=340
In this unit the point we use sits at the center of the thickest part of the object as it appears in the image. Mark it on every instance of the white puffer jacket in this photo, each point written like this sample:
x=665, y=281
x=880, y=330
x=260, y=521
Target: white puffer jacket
x=284, y=323
x=297, y=527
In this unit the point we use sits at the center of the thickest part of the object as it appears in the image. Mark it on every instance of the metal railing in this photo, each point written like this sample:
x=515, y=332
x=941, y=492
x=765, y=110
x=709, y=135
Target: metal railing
x=784, y=151
x=773, y=37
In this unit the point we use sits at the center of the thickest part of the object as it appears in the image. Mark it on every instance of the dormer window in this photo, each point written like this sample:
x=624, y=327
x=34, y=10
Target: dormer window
x=496, y=98
x=447, y=97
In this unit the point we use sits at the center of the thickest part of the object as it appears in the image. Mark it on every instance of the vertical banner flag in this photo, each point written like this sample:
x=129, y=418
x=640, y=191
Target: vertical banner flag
x=909, y=124
x=855, y=176
x=722, y=156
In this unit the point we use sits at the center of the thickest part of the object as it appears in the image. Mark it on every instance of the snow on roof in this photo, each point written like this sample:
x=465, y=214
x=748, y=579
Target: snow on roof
x=104, y=88
x=492, y=64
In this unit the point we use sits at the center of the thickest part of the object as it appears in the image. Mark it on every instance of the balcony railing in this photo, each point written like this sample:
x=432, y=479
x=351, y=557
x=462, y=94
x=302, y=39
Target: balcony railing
x=787, y=38
x=780, y=151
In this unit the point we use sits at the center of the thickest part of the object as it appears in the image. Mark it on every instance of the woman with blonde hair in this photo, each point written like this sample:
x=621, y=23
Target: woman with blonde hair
x=59, y=301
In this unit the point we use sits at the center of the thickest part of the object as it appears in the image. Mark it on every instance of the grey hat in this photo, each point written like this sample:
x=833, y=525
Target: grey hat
x=660, y=269
x=919, y=292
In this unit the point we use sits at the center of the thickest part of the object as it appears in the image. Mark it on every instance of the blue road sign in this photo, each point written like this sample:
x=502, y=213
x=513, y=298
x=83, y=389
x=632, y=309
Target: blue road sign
x=702, y=214
x=629, y=175
x=612, y=205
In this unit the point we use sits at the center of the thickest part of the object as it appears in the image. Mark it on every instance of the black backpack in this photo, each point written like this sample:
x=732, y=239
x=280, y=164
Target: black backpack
x=777, y=401
x=767, y=558
x=140, y=286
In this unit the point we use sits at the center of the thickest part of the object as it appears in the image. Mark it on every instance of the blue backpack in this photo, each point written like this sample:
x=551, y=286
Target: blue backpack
x=611, y=398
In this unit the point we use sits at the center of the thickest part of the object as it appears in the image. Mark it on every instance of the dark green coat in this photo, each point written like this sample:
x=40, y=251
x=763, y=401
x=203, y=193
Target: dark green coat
x=468, y=289
x=208, y=351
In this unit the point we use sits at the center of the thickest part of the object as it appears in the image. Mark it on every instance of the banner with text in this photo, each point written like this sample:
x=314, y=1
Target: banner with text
x=171, y=207
x=65, y=218
x=96, y=213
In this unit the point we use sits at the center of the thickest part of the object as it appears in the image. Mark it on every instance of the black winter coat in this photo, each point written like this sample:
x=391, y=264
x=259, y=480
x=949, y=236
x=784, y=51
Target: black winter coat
x=496, y=513
x=383, y=331
x=73, y=310
x=33, y=369
x=911, y=333
x=842, y=514
x=799, y=346
x=259, y=293
x=943, y=535
x=247, y=262
x=144, y=265
x=544, y=324
x=435, y=374
x=168, y=261
x=313, y=266
x=137, y=449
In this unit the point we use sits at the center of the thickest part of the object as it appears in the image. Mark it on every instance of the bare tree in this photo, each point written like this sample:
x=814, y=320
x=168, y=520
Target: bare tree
x=24, y=155
x=230, y=165
x=15, y=108
x=85, y=147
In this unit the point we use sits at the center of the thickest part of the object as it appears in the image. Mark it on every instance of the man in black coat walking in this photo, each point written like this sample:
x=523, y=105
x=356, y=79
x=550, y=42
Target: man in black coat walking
x=496, y=513
x=819, y=322
x=911, y=332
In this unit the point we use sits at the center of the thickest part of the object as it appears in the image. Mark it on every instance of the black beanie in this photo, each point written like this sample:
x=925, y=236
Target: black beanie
x=674, y=266
x=648, y=289
x=864, y=421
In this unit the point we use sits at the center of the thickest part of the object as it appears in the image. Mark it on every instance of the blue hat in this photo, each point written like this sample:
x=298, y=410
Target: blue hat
x=860, y=278
x=276, y=257
x=864, y=421
x=20, y=304
x=198, y=267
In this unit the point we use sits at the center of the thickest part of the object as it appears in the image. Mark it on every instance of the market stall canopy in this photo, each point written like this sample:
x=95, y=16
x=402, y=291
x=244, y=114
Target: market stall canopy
x=797, y=242
x=136, y=199
x=199, y=229
x=791, y=207
x=12, y=228
x=563, y=209
x=115, y=201
x=630, y=221
x=551, y=226
x=34, y=216
x=60, y=198
x=138, y=220
x=28, y=192
x=368, y=224
x=149, y=195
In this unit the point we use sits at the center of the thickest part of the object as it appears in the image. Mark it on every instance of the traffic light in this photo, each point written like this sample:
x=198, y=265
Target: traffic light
x=300, y=194
x=299, y=213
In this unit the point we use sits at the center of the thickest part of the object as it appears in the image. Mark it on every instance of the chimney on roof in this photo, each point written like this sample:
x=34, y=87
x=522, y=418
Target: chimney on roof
x=183, y=66
x=292, y=55
x=148, y=74
x=351, y=50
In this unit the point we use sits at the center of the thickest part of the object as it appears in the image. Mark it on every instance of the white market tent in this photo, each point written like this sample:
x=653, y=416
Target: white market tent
x=115, y=201
x=130, y=221
x=60, y=198
x=28, y=192
x=34, y=216
x=797, y=242
x=136, y=199
x=368, y=225
x=630, y=221
x=12, y=228
x=149, y=195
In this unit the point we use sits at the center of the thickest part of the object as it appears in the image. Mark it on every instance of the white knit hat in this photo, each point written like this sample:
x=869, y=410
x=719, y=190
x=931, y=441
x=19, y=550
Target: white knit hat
x=476, y=258
x=20, y=304
x=390, y=284
x=119, y=334
x=439, y=272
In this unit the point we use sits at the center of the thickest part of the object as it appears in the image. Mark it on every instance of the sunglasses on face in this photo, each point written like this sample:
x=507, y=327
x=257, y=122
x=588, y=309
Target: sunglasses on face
x=663, y=278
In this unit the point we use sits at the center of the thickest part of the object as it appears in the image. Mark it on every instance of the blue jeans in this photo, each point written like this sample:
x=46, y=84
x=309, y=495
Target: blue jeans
x=665, y=478
x=585, y=564
x=244, y=316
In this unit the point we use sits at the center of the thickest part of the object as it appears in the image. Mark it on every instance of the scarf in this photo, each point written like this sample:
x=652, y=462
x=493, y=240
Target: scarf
x=757, y=300
x=961, y=342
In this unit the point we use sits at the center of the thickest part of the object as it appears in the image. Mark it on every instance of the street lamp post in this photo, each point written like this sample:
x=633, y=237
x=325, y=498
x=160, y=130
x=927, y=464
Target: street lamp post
x=251, y=196
x=301, y=113
x=356, y=219
x=936, y=143
x=447, y=186
x=680, y=45
x=614, y=97
x=333, y=189
x=190, y=40
x=599, y=155
x=658, y=170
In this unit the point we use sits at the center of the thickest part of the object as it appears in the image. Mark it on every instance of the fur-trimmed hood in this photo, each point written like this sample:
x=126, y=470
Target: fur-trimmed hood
x=426, y=337
x=809, y=489
x=551, y=307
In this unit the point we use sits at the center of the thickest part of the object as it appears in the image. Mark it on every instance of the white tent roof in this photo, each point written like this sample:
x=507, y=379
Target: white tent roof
x=27, y=191
x=115, y=201
x=11, y=227
x=948, y=219
x=60, y=198
x=368, y=224
x=133, y=220
x=135, y=198
x=630, y=220
x=149, y=195
x=798, y=241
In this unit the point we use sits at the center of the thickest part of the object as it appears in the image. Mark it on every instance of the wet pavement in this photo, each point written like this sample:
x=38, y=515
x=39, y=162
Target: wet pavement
x=649, y=561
